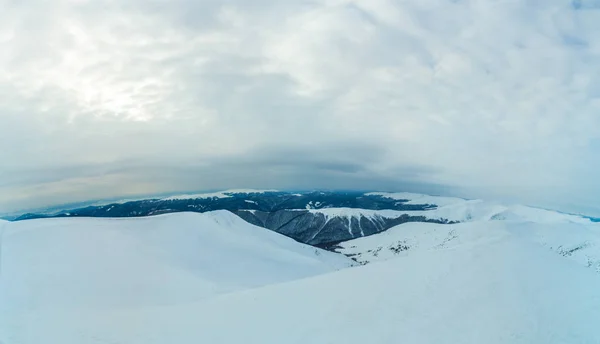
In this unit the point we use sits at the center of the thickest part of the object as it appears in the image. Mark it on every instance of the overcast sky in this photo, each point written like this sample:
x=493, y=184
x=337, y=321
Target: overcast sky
x=479, y=98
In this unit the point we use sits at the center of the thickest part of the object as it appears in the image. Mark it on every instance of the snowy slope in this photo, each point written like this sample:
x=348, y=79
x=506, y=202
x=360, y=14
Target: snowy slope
x=463, y=210
x=407, y=238
x=501, y=290
x=478, y=210
x=355, y=221
x=507, y=274
x=575, y=241
x=572, y=236
x=578, y=241
x=155, y=261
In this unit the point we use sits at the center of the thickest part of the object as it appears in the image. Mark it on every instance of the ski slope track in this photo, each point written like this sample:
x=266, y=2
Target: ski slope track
x=506, y=274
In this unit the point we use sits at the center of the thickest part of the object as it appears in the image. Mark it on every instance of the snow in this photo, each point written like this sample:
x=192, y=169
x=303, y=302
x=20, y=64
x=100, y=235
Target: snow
x=310, y=205
x=576, y=241
x=219, y=194
x=507, y=274
x=412, y=237
x=463, y=210
x=117, y=201
x=197, y=196
x=349, y=213
x=414, y=198
x=142, y=262
x=502, y=290
x=249, y=191
x=579, y=242
x=478, y=210
x=357, y=212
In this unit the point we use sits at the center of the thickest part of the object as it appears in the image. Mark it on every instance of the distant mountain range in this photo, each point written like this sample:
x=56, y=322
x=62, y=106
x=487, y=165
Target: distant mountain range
x=316, y=217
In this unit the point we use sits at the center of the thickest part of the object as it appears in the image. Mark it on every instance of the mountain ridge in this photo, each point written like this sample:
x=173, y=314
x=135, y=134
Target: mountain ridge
x=300, y=216
x=321, y=218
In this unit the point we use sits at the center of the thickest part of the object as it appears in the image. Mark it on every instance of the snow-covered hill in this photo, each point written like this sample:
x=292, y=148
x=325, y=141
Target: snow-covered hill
x=498, y=290
x=506, y=274
x=218, y=194
x=331, y=225
x=142, y=262
x=571, y=236
x=463, y=210
x=316, y=218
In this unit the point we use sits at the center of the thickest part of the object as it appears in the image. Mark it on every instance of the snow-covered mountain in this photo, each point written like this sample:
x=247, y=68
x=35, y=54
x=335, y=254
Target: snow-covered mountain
x=324, y=218
x=316, y=218
x=157, y=261
x=463, y=210
x=572, y=236
x=327, y=226
x=143, y=281
x=504, y=274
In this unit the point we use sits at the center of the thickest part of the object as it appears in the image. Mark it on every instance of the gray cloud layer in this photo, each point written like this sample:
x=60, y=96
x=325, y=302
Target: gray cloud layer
x=481, y=98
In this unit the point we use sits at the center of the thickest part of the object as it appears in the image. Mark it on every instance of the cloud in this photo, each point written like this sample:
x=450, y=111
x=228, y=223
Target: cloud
x=483, y=99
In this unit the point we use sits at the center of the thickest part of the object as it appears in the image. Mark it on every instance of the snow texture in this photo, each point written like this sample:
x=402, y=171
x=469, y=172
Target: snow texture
x=141, y=262
x=570, y=236
x=509, y=275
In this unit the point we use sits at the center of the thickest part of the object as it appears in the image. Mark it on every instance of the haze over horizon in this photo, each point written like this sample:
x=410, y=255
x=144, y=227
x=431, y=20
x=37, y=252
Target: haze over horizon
x=469, y=98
